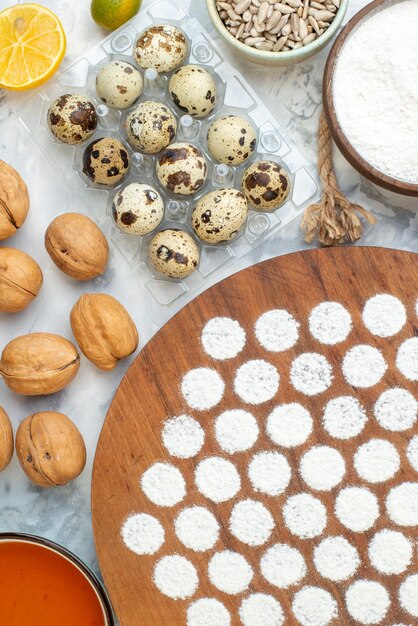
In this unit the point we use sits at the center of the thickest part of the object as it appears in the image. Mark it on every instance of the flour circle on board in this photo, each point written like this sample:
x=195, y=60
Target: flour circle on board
x=330, y=323
x=163, y=484
x=182, y=436
x=390, y=552
x=142, y=533
x=402, y=504
x=412, y=452
x=304, y=515
x=223, y=338
x=407, y=358
x=356, y=508
x=260, y=609
x=376, y=461
x=336, y=559
x=230, y=572
x=408, y=595
x=217, y=479
x=269, y=472
x=344, y=417
x=367, y=601
x=322, y=468
x=236, y=430
x=176, y=577
x=314, y=606
x=283, y=566
x=396, y=409
x=311, y=373
x=363, y=366
x=289, y=425
x=197, y=528
x=277, y=330
x=207, y=612
x=384, y=315
x=202, y=388
x=256, y=381
x=251, y=522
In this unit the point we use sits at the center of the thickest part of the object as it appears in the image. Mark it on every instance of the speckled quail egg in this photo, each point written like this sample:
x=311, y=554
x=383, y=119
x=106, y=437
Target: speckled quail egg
x=174, y=253
x=193, y=90
x=119, y=84
x=218, y=216
x=162, y=47
x=150, y=127
x=231, y=139
x=105, y=161
x=72, y=118
x=182, y=168
x=266, y=185
x=138, y=209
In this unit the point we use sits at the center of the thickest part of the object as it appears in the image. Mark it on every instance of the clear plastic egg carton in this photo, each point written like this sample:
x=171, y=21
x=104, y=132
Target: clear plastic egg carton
x=235, y=96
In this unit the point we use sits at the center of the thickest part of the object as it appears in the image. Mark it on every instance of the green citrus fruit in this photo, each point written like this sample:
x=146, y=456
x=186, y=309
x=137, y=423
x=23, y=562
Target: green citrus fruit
x=113, y=13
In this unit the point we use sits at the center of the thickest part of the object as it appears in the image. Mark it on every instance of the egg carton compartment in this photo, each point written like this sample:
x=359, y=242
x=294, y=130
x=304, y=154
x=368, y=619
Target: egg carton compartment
x=235, y=97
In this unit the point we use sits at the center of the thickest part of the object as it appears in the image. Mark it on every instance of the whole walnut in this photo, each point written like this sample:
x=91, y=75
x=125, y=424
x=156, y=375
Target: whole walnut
x=39, y=363
x=103, y=329
x=77, y=246
x=20, y=280
x=14, y=200
x=6, y=440
x=50, y=449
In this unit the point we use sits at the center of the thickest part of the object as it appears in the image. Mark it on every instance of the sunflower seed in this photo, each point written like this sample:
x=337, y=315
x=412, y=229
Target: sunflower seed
x=294, y=23
x=242, y=6
x=286, y=30
x=283, y=8
x=251, y=41
x=309, y=39
x=273, y=20
x=312, y=21
x=303, y=29
x=262, y=12
x=264, y=45
x=279, y=45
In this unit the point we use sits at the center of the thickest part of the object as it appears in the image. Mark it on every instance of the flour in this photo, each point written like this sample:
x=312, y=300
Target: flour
x=223, y=338
x=251, y=522
x=367, y=95
x=336, y=559
x=305, y=516
x=311, y=373
x=314, y=606
x=289, y=425
x=376, y=461
x=367, y=601
x=407, y=358
x=230, y=572
x=408, y=595
x=402, y=504
x=396, y=409
x=217, y=479
x=236, y=430
x=256, y=381
x=390, y=552
x=277, y=330
x=207, y=612
x=260, y=609
x=357, y=508
x=269, y=472
x=283, y=566
x=330, y=323
x=363, y=366
x=183, y=436
x=344, y=417
x=412, y=452
x=322, y=468
x=202, y=388
x=163, y=484
x=176, y=577
x=197, y=528
x=142, y=533
x=384, y=315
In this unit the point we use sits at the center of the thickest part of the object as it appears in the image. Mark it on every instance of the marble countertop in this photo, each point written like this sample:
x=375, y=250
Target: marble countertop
x=63, y=514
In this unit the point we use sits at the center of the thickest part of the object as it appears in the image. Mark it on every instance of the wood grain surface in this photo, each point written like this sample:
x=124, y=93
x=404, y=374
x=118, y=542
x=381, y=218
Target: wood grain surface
x=130, y=440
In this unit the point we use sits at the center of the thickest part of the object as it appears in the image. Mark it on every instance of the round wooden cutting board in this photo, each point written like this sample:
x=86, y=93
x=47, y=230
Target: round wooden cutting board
x=149, y=394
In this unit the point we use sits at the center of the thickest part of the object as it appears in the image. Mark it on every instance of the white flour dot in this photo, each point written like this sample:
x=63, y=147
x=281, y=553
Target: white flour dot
x=256, y=381
x=202, y=388
x=230, y=572
x=367, y=601
x=311, y=373
x=363, y=366
x=330, y=323
x=182, y=436
x=390, y=552
x=163, y=484
x=142, y=533
x=314, y=606
x=402, y=504
x=305, y=516
x=269, y=472
x=277, y=330
x=344, y=417
x=208, y=612
x=260, y=609
x=408, y=595
x=197, y=528
x=283, y=566
x=407, y=358
x=384, y=315
x=376, y=460
x=223, y=338
x=217, y=479
x=289, y=425
x=356, y=508
x=251, y=522
x=335, y=558
x=322, y=468
x=412, y=452
x=396, y=409
x=236, y=430
x=176, y=577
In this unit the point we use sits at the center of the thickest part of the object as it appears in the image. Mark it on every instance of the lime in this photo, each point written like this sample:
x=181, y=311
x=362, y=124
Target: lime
x=113, y=13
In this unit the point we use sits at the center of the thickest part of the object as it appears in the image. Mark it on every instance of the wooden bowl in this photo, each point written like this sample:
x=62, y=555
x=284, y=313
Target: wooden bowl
x=350, y=153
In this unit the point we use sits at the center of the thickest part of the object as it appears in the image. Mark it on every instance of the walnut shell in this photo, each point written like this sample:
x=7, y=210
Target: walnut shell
x=20, y=280
x=6, y=440
x=14, y=200
x=103, y=329
x=50, y=449
x=39, y=363
x=77, y=246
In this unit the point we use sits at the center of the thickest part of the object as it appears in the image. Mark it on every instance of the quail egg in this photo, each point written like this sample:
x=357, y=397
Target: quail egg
x=105, y=161
x=138, y=209
x=150, y=127
x=182, y=168
x=193, y=90
x=174, y=253
x=219, y=215
x=162, y=47
x=266, y=185
x=231, y=139
x=119, y=84
x=72, y=118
